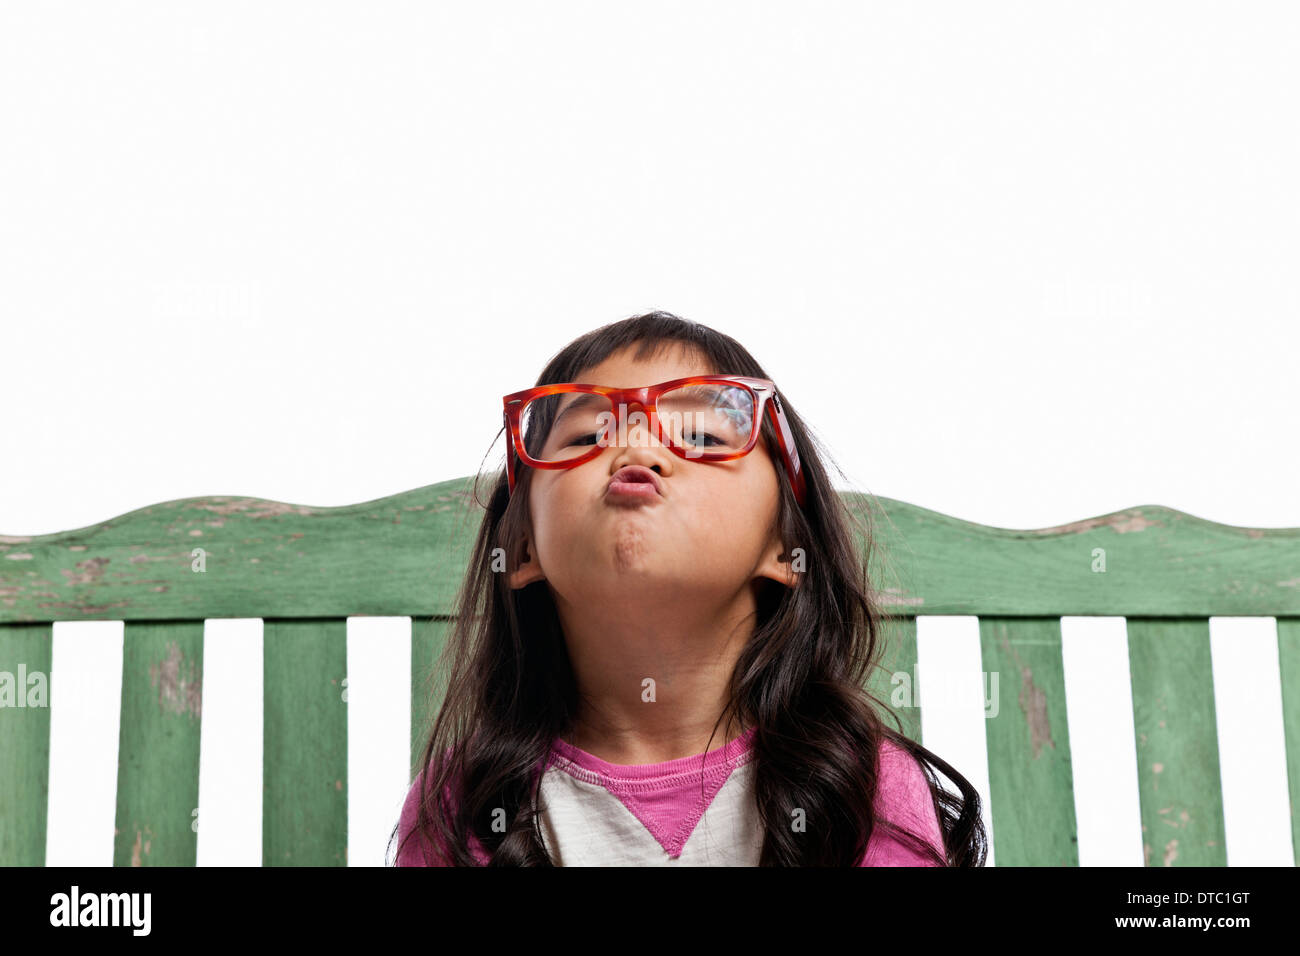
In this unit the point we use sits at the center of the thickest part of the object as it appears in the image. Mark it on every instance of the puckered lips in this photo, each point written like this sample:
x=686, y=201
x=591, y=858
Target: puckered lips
x=634, y=483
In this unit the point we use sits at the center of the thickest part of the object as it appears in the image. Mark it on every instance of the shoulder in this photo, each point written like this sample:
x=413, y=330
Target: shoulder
x=415, y=850
x=903, y=797
x=897, y=768
x=421, y=849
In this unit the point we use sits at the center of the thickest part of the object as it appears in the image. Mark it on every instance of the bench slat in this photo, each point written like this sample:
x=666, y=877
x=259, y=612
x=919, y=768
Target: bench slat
x=25, y=650
x=428, y=638
x=305, y=743
x=1288, y=652
x=1146, y=561
x=1179, y=783
x=158, y=749
x=1031, y=781
x=898, y=663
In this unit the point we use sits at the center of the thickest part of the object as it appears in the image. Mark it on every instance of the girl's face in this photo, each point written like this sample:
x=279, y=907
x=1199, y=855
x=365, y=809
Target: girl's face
x=704, y=545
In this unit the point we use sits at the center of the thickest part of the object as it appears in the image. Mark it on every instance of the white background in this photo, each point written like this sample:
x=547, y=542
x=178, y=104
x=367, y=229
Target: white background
x=1023, y=263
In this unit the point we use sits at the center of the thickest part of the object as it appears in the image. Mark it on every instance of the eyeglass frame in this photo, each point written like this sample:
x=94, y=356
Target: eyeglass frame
x=647, y=397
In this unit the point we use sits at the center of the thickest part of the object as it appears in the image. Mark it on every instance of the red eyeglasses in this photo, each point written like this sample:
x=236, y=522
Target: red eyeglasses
x=552, y=426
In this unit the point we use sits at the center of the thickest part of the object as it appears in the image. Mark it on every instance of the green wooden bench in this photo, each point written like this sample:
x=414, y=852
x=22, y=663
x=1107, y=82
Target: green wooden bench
x=304, y=570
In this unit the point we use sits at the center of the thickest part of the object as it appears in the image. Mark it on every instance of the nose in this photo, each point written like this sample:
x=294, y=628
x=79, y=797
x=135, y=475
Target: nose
x=637, y=428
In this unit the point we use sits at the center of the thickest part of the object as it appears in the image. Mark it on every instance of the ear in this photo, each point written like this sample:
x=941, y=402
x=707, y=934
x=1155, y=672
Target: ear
x=529, y=570
x=786, y=572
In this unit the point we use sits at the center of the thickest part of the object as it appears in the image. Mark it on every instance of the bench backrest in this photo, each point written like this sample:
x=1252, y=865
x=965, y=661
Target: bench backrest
x=165, y=569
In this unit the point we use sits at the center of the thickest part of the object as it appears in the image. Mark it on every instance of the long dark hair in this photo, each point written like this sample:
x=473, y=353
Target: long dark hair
x=801, y=681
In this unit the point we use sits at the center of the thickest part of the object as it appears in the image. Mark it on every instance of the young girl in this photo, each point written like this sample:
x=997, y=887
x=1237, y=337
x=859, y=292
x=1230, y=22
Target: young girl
x=663, y=641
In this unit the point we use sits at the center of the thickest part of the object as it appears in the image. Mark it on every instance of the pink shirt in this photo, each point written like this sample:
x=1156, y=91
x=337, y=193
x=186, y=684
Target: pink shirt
x=685, y=812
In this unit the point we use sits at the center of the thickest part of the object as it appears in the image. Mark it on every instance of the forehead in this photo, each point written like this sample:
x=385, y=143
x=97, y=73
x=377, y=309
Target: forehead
x=669, y=361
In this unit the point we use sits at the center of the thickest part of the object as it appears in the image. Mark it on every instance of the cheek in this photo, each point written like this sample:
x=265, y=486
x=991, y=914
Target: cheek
x=761, y=481
x=764, y=504
x=742, y=507
x=556, y=520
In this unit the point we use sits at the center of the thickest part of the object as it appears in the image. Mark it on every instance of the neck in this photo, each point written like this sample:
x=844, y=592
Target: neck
x=652, y=692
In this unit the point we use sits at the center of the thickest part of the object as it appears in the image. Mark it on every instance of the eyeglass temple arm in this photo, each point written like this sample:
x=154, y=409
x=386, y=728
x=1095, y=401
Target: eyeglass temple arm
x=786, y=438
x=510, y=452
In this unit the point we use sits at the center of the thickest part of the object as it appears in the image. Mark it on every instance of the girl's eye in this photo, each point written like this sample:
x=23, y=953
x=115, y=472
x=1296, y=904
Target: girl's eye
x=696, y=438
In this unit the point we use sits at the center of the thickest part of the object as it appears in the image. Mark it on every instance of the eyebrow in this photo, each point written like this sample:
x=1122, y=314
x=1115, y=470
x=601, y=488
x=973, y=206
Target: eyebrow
x=583, y=400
